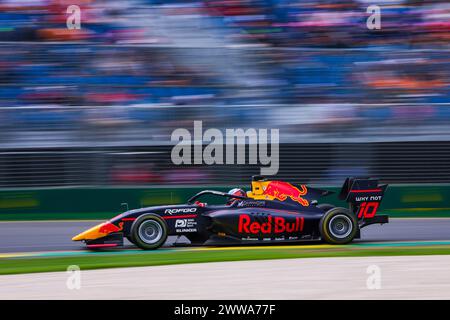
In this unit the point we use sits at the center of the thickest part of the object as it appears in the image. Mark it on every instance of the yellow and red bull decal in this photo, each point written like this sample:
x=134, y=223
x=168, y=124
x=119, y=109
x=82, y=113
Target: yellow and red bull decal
x=279, y=190
x=99, y=231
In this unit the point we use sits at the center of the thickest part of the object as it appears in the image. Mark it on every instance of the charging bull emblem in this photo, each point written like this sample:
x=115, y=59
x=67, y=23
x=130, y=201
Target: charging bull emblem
x=108, y=228
x=282, y=190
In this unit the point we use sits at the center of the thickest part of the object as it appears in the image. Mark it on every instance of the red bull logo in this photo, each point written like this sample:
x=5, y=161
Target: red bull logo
x=282, y=190
x=99, y=231
x=108, y=228
x=273, y=225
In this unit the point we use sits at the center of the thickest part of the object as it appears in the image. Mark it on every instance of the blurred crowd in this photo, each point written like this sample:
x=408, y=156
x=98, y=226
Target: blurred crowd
x=137, y=69
x=158, y=54
x=289, y=23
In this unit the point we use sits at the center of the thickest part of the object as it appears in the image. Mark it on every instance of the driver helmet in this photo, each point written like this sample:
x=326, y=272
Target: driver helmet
x=237, y=192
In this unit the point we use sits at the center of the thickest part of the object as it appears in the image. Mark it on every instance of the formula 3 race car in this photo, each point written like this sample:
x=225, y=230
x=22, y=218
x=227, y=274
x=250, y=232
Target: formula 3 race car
x=273, y=211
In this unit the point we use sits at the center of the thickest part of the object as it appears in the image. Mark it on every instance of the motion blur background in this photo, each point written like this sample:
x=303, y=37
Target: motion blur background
x=92, y=110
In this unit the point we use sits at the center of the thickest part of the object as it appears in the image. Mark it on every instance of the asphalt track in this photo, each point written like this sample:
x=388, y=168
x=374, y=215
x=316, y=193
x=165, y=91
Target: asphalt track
x=406, y=277
x=36, y=236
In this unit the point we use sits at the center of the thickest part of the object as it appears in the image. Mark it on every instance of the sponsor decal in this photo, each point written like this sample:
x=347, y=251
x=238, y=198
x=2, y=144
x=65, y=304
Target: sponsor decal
x=180, y=210
x=272, y=225
x=282, y=190
x=186, y=230
x=371, y=198
x=251, y=204
x=181, y=223
x=250, y=239
x=185, y=225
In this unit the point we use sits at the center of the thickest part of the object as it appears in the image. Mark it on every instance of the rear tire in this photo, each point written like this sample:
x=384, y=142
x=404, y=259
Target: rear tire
x=338, y=226
x=149, y=232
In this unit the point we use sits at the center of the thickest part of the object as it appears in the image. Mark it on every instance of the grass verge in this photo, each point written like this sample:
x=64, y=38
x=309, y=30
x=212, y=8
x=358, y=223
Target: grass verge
x=170, y=257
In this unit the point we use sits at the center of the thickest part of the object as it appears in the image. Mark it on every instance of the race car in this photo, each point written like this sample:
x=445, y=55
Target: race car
x=273, y=211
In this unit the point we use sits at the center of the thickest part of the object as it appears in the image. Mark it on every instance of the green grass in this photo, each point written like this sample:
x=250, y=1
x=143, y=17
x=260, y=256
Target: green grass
x=170, y=257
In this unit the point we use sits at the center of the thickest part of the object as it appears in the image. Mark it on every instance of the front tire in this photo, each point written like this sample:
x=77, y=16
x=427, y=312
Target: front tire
x=149, y=232
x=338, y=226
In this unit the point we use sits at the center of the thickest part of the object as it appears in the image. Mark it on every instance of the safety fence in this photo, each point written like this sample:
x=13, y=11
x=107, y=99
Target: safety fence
x=318, y=163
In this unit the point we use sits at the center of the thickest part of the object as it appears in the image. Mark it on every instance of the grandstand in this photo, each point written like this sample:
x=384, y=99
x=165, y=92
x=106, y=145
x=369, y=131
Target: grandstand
x=96, y=106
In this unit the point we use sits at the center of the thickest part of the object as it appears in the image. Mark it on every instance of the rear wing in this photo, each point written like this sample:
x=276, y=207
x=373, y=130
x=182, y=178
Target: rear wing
x=364, y=195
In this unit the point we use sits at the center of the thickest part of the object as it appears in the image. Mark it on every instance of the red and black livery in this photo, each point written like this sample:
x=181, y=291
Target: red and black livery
x=273, y=211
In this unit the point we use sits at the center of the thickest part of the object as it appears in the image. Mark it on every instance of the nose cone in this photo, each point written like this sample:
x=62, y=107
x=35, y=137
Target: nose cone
x=90, y=234
x=99, y=231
